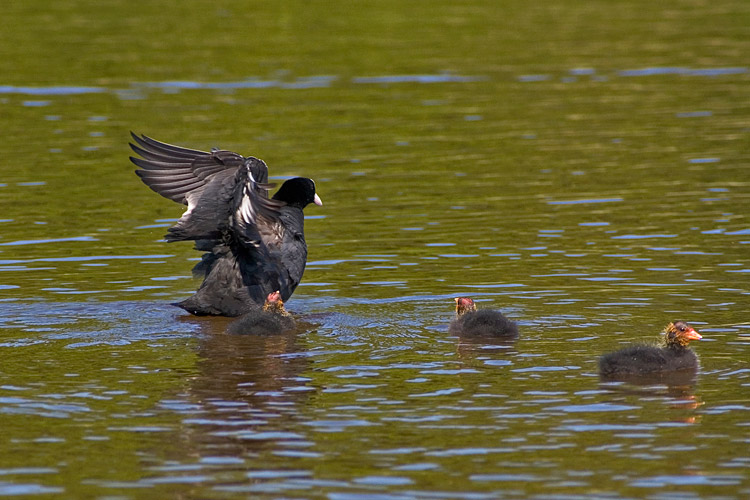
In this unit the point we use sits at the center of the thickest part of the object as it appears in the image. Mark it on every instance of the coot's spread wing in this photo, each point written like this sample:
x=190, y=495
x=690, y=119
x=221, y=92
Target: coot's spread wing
x=216, y=186
x=174, y=171
x=255, y=217
x=232, y=206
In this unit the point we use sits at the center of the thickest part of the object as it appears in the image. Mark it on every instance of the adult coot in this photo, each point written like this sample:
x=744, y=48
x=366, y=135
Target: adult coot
x=255, y=244
x=483, y=322
x=673, y=355
x=271, y=319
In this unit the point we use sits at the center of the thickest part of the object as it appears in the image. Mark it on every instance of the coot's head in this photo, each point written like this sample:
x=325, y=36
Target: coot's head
x=274, y=304
x=298, y=192
x=464, y=305
x=679, y=333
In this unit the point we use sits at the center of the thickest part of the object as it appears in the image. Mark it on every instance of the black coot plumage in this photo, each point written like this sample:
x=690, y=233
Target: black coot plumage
x=255, y=244
x=673, y=355
x=481, y=323
x=271, y=319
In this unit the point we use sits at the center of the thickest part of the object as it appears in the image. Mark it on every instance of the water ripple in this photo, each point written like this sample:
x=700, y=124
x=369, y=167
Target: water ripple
x=49, y=240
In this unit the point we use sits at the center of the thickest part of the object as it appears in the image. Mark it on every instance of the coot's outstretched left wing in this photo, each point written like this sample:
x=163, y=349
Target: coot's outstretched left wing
x=174, y=171
x=212, y=184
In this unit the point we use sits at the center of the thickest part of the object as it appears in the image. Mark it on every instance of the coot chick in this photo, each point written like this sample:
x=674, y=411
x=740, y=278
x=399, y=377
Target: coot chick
x=255, y=244
x=673, y=355
x=271, y=319
x=481, y=323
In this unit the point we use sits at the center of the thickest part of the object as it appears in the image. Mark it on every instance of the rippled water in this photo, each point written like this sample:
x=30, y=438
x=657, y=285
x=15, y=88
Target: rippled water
x=580, y=167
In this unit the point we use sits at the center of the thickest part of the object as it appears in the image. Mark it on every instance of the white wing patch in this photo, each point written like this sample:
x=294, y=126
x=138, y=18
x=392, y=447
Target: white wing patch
x=190, y=198
x=246, y=214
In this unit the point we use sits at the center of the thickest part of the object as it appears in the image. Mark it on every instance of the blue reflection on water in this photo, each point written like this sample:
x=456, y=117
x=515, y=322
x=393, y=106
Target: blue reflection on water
x=442, y=78
x=683, y=71
x=587, y=200
x=52, y=90
x=322, y=81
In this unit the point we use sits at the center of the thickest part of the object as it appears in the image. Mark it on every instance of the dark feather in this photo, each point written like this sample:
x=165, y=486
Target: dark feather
x=639, y=359
x=484, y=323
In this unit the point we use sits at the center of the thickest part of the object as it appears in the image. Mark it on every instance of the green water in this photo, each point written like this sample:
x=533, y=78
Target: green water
x=581, y=166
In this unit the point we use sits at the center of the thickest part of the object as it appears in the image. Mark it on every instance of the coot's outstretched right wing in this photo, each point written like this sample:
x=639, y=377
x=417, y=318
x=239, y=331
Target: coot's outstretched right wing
x=254, y=214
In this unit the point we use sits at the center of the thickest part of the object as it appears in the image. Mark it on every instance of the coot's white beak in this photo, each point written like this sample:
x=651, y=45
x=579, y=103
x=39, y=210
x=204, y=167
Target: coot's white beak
x=317, y=200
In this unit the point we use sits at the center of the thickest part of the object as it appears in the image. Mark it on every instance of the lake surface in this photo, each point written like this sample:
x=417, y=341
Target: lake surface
x=581, y=166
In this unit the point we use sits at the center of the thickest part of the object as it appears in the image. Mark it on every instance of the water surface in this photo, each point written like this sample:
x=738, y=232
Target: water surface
x=580, y=167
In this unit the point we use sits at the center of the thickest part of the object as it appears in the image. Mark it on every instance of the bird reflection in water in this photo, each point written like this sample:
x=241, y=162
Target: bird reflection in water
x=678, y=388
x=481, y=348
x=247, y=391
